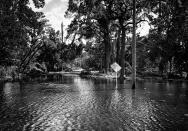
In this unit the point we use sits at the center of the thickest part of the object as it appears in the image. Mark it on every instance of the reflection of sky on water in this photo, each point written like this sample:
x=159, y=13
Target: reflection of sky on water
x=86, y=104
x=83, y=85
x=10, y=90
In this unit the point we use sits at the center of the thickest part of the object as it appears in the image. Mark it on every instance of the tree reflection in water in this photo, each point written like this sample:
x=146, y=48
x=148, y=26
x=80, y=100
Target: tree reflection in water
x=67, y=103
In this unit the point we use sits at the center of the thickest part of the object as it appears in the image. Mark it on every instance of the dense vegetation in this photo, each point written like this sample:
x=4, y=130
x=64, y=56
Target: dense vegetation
x=28, y=42
x=109, y=23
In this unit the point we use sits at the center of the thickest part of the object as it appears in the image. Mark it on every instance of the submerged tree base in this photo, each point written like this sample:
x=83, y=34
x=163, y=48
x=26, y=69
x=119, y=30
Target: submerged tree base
x=133, y=86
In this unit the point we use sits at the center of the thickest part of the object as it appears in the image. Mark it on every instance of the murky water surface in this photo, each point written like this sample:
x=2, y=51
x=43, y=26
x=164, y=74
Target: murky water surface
x=72, y=103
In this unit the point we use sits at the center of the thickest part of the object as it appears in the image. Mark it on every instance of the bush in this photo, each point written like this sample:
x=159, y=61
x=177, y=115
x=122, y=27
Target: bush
x=2, y=72
x=9, y=72
x=85, y=73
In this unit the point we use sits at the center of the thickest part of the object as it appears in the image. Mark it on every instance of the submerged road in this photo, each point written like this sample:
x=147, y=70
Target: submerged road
x=72, y=103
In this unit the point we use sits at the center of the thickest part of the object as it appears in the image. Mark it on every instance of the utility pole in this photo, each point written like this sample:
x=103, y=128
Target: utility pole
x=134, y=47
x=62, y=31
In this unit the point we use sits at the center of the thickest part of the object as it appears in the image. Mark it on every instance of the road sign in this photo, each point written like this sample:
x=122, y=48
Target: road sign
x=116, y=67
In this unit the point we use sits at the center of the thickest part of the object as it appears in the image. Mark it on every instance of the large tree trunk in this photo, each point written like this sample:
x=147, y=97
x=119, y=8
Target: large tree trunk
x=107, y=51
x=122, y=58
x=107, y=45
x=104, y=25
x=33, y=50
x=118, y=47
x=30, y=58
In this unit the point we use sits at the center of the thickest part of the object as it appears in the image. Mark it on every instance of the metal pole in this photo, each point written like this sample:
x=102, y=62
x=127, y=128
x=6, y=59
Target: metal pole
x=134, y=47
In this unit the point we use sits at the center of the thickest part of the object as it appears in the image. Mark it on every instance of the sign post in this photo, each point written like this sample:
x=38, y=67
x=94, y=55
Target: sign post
x=115, y=66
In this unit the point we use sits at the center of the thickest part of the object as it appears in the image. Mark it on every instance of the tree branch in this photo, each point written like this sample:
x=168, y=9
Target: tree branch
x=137, y=22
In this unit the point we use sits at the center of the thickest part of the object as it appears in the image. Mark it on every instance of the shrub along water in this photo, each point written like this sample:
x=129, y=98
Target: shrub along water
x=9, y=73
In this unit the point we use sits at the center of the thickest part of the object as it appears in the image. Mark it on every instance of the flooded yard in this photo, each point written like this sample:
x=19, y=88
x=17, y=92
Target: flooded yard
x=73, y=103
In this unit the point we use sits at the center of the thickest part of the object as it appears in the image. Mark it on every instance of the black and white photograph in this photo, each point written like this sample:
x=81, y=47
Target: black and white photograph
x=93, y=65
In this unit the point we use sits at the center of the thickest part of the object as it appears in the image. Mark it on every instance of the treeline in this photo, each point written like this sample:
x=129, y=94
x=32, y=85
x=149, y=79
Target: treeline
x=108, y=24
x=28, y=42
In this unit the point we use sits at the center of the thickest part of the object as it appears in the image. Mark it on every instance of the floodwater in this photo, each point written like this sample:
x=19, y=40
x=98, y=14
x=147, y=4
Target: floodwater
x=73, y=103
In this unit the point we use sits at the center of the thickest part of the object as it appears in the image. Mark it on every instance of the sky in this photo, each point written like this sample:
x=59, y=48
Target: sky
x=54, y=11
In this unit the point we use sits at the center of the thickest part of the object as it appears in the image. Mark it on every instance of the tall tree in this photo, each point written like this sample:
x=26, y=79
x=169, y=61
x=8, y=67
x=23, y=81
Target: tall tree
x=168, y=35
x=16, y=19
x=101, y=13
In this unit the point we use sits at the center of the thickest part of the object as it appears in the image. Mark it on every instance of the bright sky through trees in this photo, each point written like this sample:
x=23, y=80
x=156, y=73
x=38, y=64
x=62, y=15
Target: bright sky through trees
x=54, y=11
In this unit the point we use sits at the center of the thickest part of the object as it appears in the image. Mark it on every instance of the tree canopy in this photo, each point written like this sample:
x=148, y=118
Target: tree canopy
x=106, y=27
x=111, y=22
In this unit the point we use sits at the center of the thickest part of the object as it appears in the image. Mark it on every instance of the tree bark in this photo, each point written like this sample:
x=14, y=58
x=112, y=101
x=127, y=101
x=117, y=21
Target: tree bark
x=104, y=24
x=107, y=50
x=122, y=59
x=118, y=47
x=30, y=58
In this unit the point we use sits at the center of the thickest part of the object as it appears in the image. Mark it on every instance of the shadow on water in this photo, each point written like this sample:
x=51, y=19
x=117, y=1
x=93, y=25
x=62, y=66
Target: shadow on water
x=59, y=102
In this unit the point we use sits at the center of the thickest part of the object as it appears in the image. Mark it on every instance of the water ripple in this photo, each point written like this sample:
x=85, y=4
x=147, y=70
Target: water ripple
x=85, y=104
